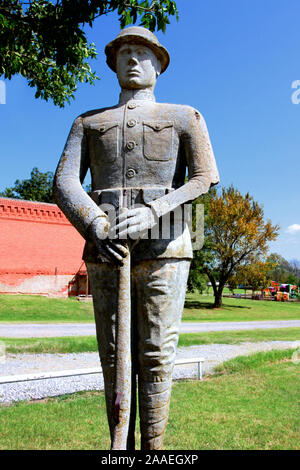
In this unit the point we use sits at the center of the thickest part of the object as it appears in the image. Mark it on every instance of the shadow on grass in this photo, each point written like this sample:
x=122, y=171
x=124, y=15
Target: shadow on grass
x=210, y=306
x=197, y=304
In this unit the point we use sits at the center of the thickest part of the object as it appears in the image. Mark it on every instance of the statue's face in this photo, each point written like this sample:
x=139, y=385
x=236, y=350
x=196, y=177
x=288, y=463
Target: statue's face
x=137, y=67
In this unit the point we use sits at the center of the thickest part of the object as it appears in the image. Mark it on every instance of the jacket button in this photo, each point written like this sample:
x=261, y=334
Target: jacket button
x=132, y=105
x=131, y=123
x=130, y=145
x=130, y=173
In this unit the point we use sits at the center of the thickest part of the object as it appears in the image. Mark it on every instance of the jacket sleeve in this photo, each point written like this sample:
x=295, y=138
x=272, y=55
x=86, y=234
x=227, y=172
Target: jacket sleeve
x=68, y=192
x=202, y=169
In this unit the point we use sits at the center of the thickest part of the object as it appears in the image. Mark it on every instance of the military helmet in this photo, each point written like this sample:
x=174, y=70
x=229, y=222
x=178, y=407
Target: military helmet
x=136, y=35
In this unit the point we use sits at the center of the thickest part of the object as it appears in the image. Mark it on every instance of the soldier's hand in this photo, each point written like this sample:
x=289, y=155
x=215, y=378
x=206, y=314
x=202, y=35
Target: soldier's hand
x=133, y=223
x=112, y=250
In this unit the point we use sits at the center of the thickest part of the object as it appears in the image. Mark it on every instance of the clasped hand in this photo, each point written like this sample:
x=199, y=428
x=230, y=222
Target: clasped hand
x=109, y=237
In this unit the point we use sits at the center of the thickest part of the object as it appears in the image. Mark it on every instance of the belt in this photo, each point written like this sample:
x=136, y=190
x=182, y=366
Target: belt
x=115, y=196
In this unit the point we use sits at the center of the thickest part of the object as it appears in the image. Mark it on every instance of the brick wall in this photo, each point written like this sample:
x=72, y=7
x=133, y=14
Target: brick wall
x=40, y=251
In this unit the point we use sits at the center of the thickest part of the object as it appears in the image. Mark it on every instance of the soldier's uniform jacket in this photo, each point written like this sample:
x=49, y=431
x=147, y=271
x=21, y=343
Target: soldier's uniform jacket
x=145, y=147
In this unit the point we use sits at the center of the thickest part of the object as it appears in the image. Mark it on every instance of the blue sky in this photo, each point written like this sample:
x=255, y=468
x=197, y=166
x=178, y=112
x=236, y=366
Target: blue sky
x=235, y=61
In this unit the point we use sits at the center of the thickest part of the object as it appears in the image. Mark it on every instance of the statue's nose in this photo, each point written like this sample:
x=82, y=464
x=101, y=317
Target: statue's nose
x=132, y=60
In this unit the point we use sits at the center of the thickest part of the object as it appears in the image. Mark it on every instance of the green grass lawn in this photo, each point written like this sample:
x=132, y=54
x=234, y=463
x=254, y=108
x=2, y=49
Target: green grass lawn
x=199, y=308
x=77, y=344
x=235, y=337
x=250, y=404
x=36, y=308
x=28, y=308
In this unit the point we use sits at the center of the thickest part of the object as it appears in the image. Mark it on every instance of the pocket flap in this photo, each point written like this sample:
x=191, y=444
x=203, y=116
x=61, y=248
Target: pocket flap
x=150, y=194
x=158, y=125
x=102, y=126
x=106, y=126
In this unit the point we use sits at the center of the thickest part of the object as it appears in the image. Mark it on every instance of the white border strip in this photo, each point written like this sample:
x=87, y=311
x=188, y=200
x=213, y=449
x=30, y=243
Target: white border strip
x=87, y=371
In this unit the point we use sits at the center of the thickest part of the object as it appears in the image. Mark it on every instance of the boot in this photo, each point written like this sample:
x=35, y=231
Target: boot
x=154, y=400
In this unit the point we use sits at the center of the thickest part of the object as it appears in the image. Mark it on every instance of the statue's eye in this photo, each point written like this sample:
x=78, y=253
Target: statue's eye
x=125, y=51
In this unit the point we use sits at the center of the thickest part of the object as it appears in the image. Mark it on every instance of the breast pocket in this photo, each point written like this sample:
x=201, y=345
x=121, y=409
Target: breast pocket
x=104, y=141
x=158, y=140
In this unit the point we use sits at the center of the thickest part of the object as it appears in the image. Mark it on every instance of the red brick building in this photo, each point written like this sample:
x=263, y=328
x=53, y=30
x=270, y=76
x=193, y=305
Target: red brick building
x=40, y=251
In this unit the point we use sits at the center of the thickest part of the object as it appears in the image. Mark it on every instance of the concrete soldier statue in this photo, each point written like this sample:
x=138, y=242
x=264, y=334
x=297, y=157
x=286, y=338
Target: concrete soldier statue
x=137, y=152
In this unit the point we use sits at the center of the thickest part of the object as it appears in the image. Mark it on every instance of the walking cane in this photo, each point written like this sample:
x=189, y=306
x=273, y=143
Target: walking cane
x=123, y=365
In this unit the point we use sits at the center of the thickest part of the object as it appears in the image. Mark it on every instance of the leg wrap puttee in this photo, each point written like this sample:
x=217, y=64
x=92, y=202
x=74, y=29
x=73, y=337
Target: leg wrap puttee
x=154, y=400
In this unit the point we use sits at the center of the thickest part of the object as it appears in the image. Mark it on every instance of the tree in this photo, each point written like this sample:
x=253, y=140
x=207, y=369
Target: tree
x=285, y=272
x=197, y=277
x=37, y=188
x=255, y=275
x=295, y=271
x=44, y=41
x=295, y=267
x=291, y=279
x=235, y=235
x=279, y=272
x=233, y=283
x=197, y=280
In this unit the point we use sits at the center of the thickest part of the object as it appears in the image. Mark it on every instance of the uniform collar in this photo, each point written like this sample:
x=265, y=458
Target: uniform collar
x=127, y=95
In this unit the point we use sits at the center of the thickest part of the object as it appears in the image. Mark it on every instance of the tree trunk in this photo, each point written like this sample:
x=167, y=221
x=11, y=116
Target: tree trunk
x=212, y=280
x=218, y=290
x=218, y=300
x=218, y=295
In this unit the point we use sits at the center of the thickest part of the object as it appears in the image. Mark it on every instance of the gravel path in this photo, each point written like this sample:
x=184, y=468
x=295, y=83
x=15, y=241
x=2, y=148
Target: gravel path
x=33, y=363
x=189, y=327
x=31, y=330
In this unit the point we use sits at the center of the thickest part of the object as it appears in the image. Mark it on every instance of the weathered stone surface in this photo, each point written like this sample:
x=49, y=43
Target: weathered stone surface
x=137, y=152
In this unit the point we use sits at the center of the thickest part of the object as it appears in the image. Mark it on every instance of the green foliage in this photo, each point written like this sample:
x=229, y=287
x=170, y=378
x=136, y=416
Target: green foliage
x=44, y=41
x=37, y=188
x=197, y=277
x=197, y=281
x=256, y=275
x=235, y=234
x=284, y=272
